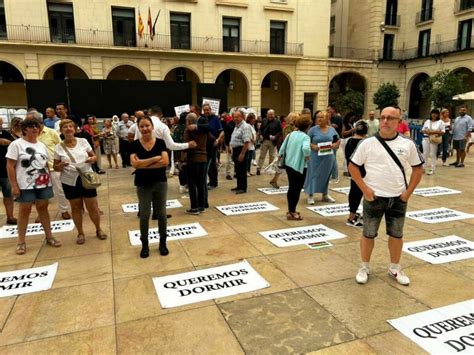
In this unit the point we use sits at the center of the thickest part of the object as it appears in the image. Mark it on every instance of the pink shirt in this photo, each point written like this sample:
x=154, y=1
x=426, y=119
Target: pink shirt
x=403, y=127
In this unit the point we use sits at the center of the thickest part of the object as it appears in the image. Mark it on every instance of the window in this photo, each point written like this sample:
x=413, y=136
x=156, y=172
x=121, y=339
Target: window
x=277, y=37
x=464, y=35
x=332, y=25
x=424, y=43
x=61, y=23
x=123, y=24
x=391, y=13
x=3, y=21
x=426, y=10
x=466, y=4
x=388, y=40
x=231, y=34
x=180, y=30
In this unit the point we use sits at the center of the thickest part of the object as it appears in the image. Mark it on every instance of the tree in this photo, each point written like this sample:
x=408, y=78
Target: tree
x=386, y=95
x=351, y=101
x=441, y=87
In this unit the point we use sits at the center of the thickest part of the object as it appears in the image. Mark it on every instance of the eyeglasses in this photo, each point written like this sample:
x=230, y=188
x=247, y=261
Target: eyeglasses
x=33, y=126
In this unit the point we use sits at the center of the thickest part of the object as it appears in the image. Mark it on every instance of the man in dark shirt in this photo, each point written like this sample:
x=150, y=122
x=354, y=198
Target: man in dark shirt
x=270, y=132
x=215, y=128
x=5, y=140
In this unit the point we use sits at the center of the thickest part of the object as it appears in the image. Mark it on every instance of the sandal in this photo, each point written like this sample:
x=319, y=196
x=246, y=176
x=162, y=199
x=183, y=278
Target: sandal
x=80, y=239
x=53, y=242
x=101, y=235
x=21, y=249
x=293, y=216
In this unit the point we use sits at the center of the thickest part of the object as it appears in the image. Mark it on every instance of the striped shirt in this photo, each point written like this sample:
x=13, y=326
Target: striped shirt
x=242, y=134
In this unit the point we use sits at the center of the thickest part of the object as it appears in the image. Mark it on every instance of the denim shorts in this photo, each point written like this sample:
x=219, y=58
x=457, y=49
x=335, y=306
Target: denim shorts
x=459, y=144
x=394, y=210
x=6, y=187
x=28, y=196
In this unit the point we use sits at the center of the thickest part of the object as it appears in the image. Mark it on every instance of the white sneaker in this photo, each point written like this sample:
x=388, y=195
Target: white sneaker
x=399, y=276
x=328, y=198
x=362, y=275
x=445, y=163
x=310, y=201
x=429, y=172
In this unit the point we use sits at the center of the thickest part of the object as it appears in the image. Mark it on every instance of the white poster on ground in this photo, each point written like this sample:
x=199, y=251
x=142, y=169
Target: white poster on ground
x=434, y=191
x=245, y=208
x=273, y=191
x=214, y=103
x=340, y=209
x=181, y=231
x=301, y=235
x=133, y=207
x=19, y=282
x=178, y=110
x=342, y=190
x=438, y=215
x=441, y=250
x=207, y=284
x=8, y=231
x=445, y=330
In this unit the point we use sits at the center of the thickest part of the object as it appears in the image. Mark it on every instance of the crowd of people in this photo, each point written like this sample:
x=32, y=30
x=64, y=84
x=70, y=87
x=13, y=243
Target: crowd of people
x=42, y=158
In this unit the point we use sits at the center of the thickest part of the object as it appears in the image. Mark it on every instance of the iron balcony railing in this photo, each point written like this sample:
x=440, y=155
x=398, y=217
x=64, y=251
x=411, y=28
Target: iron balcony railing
x=446, y=47
x=462, y=5
x=94, y=37
x=352, y=53
x=392, y=20
x=424, y=15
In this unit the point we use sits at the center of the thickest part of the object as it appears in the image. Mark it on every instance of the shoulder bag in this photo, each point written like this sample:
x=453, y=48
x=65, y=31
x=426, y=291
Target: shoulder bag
x=90, y=179
x=281, y=162
x=435, y=138
x=393, y=156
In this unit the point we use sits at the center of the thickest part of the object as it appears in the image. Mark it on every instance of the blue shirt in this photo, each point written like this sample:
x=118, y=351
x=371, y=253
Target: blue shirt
x=215, y=126
x=296, y=148
x=49, y=122
x=462, y=125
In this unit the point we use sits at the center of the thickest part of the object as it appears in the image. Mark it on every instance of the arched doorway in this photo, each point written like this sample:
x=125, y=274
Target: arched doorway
x=184, y=74
x=468, y=77
x=59, y=71
x=12, y=88
x=419, y=106
x=340, y=85
x=276, y=93
x=237, y=88
x=126, y=72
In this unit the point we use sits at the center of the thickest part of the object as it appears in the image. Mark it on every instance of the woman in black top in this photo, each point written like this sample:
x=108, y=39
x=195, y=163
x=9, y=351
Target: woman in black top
x=149, y=156
x=355, y=194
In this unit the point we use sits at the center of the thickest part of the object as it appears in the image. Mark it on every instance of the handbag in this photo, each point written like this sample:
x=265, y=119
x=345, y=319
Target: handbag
x=90, y=179
x=281, y=162
x=435, y=138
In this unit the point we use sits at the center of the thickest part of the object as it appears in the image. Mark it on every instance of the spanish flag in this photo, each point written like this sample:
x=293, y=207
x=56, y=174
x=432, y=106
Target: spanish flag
x=141, y=28
x=150, y=24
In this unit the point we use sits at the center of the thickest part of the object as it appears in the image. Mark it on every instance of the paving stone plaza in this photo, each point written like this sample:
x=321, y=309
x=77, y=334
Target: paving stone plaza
x=103, y=300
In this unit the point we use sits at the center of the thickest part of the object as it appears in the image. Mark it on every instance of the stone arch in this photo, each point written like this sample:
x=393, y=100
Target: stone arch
x=237, y=87
x=418, y=106
x=13, y=89
x=341, y=82
x=276, y=92
x=184, y=73
x=59, y=70
x=468, y=79
x=126, y=72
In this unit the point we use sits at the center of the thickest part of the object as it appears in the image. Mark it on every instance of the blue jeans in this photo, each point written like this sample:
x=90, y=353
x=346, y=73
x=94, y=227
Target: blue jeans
x=443, y=148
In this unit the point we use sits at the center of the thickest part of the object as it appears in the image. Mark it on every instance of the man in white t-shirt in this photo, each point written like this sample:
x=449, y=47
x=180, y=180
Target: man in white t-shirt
x=385, y=189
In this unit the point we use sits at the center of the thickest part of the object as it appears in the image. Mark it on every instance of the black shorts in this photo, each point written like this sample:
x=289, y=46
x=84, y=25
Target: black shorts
x=78, y=191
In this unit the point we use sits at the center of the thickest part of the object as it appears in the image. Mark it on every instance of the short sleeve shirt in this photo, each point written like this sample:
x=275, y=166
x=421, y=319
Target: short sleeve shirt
x=145, y=177
x=3, y=151
x=461, y=126
x=80, y=154
x=382, y=174
x=433, y=126
x=31, y=164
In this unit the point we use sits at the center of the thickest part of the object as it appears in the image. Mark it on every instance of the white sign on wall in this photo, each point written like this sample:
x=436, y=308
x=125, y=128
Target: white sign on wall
x=178, y=110
x=301, y=235
x=9, y=231
x=340, y=209
x=214, y=103
x=133, y=207
x=181, y=231
x=441, y=250
x=19, y=282
x=273, y=191
x=342, y=190
x=245, y=208
x=445, y=330
x=202, y=285
x=438, y=215
x=434, y=191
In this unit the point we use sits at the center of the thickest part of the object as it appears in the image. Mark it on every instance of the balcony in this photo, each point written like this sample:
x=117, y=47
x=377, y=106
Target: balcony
x=392, y=20
x=97, y=38
x=446, y=47
x=352, y=53
x=463, y=6
x=425, y=15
